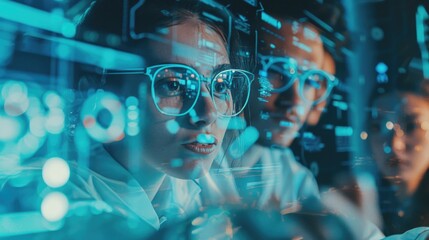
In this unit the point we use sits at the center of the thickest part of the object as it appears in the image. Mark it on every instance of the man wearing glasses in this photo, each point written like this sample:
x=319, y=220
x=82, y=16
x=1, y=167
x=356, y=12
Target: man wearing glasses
x=292, y=66
x=296, y=79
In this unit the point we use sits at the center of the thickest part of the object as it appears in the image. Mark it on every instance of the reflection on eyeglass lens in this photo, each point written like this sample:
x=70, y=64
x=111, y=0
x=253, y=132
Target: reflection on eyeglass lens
x=176, y=90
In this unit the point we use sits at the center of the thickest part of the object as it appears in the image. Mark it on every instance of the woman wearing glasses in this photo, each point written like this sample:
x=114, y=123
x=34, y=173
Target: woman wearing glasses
x=192, y=84
x=399, y=138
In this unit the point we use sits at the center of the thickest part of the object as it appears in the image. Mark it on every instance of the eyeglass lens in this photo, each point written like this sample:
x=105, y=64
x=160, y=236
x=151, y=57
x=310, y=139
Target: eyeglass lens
x=176, y=90
x=313, y=83
x=230, y=91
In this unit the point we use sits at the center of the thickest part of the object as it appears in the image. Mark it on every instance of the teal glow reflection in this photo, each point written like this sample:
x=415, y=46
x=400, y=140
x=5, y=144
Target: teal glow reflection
x=244, y=142
x=10, y=128
x=22, y=118
x=90, y=111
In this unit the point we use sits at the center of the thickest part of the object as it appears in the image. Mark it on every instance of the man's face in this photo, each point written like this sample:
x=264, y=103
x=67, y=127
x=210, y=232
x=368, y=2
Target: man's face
x=283, y=114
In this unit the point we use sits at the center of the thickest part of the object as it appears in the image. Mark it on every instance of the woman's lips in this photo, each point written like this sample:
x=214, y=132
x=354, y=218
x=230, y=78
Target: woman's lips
x=200, y=148
x=203, y=143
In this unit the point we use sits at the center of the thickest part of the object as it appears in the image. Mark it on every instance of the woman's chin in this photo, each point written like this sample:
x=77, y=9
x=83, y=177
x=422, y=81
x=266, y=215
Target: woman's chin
x=191, y=169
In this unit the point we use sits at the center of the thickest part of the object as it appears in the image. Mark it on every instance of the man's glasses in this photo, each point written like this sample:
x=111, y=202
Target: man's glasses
x=282, y=72
x=176, y=88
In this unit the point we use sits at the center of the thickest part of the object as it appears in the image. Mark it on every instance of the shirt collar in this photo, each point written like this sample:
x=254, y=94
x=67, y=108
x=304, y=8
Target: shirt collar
x=116, y=186
x=181, y=195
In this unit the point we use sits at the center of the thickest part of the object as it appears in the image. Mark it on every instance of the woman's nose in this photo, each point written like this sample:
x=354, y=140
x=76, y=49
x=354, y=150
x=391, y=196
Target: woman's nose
x=397, y=139
x=204, y=112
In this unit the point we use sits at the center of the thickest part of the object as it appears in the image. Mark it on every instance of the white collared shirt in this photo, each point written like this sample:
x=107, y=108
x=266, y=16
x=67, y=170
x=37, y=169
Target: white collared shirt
x=114, y=185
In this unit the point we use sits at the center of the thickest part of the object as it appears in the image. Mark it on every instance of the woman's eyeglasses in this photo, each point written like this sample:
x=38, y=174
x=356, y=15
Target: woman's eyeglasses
x=176, y=88
x=408, y=125
x=282, y=72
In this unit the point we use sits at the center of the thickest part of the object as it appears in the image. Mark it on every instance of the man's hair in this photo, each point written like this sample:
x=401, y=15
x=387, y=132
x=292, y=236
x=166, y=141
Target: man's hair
x=327, y=17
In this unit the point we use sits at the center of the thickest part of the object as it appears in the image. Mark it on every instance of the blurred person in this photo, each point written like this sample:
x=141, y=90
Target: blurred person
x=297, y=69
x=292, y=65
x=398, y=136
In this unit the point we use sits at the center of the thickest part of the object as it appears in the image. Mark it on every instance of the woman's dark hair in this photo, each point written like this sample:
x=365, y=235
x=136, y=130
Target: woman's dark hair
x=112, y=18
x=410, y=79
x=413, y=80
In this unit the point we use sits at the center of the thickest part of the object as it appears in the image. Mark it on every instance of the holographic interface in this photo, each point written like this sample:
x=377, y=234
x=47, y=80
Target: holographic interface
x=214, y=119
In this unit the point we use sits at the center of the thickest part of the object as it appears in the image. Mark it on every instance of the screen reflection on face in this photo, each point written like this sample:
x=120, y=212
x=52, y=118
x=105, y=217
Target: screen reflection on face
x=184, y=146
x=284, y=113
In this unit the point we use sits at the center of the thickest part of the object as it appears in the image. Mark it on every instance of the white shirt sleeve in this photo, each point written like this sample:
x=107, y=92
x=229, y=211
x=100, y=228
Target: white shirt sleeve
x=419, y=233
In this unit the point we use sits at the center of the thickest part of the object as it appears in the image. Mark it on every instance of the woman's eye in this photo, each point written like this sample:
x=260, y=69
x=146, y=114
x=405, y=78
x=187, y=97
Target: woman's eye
x=169, y=87
x=221, y=88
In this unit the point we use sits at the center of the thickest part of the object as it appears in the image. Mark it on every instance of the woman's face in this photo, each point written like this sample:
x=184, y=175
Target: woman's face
x=399, y=137
x=283, y=114
x=185, y=146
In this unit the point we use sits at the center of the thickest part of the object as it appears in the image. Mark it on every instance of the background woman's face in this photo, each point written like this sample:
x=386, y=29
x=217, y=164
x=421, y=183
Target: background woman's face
x=286, y=112
x=399, y=136
x=177, y=145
